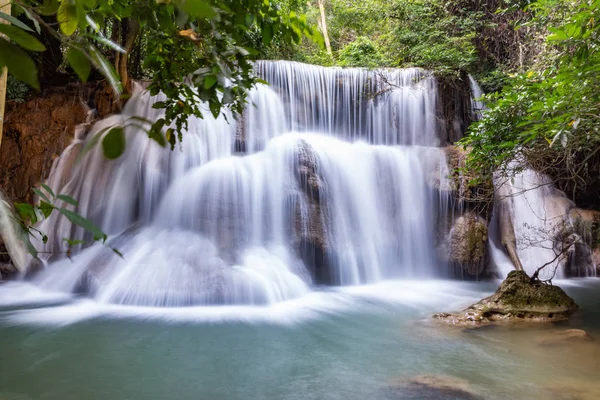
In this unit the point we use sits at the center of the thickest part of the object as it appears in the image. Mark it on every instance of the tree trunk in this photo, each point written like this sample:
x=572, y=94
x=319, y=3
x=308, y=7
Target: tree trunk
x=5, y=8
x=324, y=26
x=130, y=30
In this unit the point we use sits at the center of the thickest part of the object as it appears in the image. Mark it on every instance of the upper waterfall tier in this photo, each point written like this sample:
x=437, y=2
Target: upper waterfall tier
x=393, y=107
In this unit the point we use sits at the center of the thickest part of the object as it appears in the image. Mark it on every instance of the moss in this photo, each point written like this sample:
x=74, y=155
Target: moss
x=517, y=298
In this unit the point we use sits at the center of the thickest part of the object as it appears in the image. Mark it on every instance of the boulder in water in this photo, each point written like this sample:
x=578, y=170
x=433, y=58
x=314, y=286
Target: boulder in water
x=466, y=245
x=517, y=299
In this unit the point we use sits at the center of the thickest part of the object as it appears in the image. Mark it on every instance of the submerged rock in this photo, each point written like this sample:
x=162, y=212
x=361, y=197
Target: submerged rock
x=573, y=389
x=564, y=337
x=517, y=298
x=424, y=387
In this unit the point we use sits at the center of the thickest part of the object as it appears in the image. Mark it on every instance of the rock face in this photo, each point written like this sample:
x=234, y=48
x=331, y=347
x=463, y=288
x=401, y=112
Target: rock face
x=516, y=299
x=310, y=236
x=466, y=193
x=584, y=256
x=466, y=245
x=35, y=133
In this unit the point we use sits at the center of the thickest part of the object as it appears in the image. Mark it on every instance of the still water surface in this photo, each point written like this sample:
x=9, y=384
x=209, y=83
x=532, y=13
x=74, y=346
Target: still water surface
x=353, y=343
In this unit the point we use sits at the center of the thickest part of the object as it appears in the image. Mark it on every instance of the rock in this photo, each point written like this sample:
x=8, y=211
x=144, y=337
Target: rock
x=519, y=299
x=565, y=337
x=35, y=133
x=476, y=197
x=581, y=227
x=466, y=245
x=310, y=229
x=596, y=260
x=424, y=387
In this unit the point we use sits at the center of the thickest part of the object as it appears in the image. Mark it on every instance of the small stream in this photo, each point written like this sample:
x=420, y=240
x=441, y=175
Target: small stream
x=351, y=343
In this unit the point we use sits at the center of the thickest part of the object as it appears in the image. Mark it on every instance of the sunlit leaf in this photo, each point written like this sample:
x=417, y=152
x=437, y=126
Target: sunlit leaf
x=67, y=17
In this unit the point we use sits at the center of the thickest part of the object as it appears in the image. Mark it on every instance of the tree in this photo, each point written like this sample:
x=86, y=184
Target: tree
x=202, y=42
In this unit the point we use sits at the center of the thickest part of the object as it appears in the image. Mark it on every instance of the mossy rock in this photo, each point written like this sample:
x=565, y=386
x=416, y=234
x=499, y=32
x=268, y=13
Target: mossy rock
x=517, y=298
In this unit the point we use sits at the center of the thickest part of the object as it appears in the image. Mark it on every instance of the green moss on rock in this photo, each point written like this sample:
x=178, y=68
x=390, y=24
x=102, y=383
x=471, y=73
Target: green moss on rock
x=517, y=298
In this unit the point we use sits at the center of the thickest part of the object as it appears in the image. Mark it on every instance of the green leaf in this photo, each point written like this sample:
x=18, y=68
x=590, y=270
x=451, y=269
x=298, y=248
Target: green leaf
x=209, y=81
x=85, y=223
x=90, y=144
x=22, y=38
x=38, y=29
x=117, y=252
x=48, y=189
x=68, y=199
x=108, y=43
x=26, y=212
x=215, y=107
x=113, y=143
x=155, y=132
x=40, y=194
x=18, y=63
x=50, y=7
x=107, y=69
x=67, y=17
x=267, y=34
x=171, y=137
x=46, y=208
x=75, y=242
x=80, y=63
x=15, y=21
x=197, y=8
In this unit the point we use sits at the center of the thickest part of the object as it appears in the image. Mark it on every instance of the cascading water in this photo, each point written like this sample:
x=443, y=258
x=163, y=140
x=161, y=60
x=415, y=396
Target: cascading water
x=328, y=178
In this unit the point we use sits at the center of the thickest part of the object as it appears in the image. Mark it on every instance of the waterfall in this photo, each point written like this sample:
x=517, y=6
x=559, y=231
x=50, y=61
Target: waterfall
x=477, y=106
x=331, y=176
x=540, y=217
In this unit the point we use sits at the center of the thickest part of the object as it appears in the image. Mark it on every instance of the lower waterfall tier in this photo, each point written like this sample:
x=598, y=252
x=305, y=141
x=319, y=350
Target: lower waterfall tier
x=259, y=229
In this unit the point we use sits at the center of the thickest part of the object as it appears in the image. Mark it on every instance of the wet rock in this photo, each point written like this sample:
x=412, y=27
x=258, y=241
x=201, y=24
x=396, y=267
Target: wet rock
x=585, y=254
x=425, y=387
x=467, y=192
x=596, y=260
x=310, y=216
x=466, y=245
x=517, y=299
x=564, y=337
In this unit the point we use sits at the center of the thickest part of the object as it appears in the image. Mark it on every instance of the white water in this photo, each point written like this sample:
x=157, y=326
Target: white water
x=538, y=212
x=320, y=182
x=201, y=225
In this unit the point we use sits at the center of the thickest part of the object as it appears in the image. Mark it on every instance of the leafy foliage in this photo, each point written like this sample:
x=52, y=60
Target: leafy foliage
x=27, y=215
x=16, y=90
x=550, y=114
x=361, y=53
x=202, y=42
